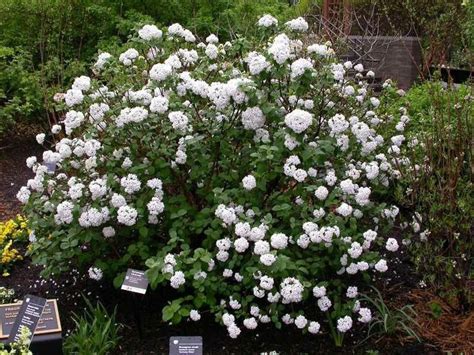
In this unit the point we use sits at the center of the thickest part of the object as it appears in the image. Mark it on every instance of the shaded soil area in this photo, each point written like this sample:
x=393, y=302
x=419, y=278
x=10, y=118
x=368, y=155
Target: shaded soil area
x=137, y=312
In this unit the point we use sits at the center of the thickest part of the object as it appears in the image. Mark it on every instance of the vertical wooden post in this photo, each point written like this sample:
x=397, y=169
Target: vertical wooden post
x=337, y=17
x=346, y=17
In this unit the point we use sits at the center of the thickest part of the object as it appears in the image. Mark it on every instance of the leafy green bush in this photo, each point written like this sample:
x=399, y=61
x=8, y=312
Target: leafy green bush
x=20, y=96
x=249, y=176
x=438, y=184
x=96, y=332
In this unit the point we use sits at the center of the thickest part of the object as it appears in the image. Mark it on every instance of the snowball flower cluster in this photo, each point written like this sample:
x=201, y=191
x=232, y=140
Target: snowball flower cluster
x=392, y=244
x=226, y=214
x=73, y=97
x=178, y=120
x=149, y=32
x=102, y=60
x=280, y=49
x=299, y=24
x=249, y=182
x=298, y=120
x=130, y=183
x=129, y=56
x=127, y=215
x=344, y=324
x=177, y=279
x=131, y=115
x=267, y=21
x=291, y=290
x=257, y=63
x=321, y=193
x=160, y=72
x=253, y=118
x=299, y=66
x=95, y=273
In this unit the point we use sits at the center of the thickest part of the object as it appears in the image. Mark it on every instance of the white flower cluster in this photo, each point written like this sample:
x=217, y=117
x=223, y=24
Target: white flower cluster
x=160, y=72
x=249, y=182
x=128, y=115
x=129, y=56
x=298, y=120
x=127, y=215
x=299, y=24
x=226, y=214
x=95, y=273
x=299, y=66
x=102, y=60
x=176, y=30
x=267, y=21
x=150, y=32
x=280, y=49
x=253, y=118
x=257, y=63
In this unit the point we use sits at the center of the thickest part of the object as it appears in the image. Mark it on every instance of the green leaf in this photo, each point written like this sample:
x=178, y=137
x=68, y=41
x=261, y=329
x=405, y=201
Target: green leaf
x=184, y=312
x=168, y=313
x=282, y=207
x=178, y=214
x=143, y=231
x=118, y=280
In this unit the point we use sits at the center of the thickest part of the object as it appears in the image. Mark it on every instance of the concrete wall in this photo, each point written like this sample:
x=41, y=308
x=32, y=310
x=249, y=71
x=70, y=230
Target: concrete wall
x=397, y=58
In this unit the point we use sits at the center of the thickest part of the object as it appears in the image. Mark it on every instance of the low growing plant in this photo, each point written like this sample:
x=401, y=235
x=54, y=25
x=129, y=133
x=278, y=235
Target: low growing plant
x=253, y=177
x=19, y=348
x=6, y=295
x=389, y=320
x=96, y=332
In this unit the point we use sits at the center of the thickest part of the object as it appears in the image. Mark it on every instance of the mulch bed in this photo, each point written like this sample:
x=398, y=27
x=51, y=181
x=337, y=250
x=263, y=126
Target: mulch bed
x=68, y=289
x=452, y=331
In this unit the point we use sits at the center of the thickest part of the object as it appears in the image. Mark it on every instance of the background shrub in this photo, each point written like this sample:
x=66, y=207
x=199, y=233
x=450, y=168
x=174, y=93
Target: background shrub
x=20, y=94
x=440, y=186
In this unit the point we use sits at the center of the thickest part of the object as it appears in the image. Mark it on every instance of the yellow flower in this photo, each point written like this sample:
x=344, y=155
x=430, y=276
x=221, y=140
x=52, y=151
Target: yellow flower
x=11, y=231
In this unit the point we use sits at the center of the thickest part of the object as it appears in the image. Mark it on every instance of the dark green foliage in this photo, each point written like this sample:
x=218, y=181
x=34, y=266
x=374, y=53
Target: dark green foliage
x=19, y=87
x=442, y=188
x=96, y=332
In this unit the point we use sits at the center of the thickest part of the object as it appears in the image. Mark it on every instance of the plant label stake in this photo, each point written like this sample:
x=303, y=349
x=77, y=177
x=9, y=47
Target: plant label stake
x=47, y=339
x=50, y=166
x=136, y=282
x=185, y=345
x=28, y=316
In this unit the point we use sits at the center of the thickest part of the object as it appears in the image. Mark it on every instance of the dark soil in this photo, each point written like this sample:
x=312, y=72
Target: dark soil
x=134, y=311
x=155, y=339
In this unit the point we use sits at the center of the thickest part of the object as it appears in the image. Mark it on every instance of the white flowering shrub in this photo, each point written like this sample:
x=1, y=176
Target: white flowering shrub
x=249, y=176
